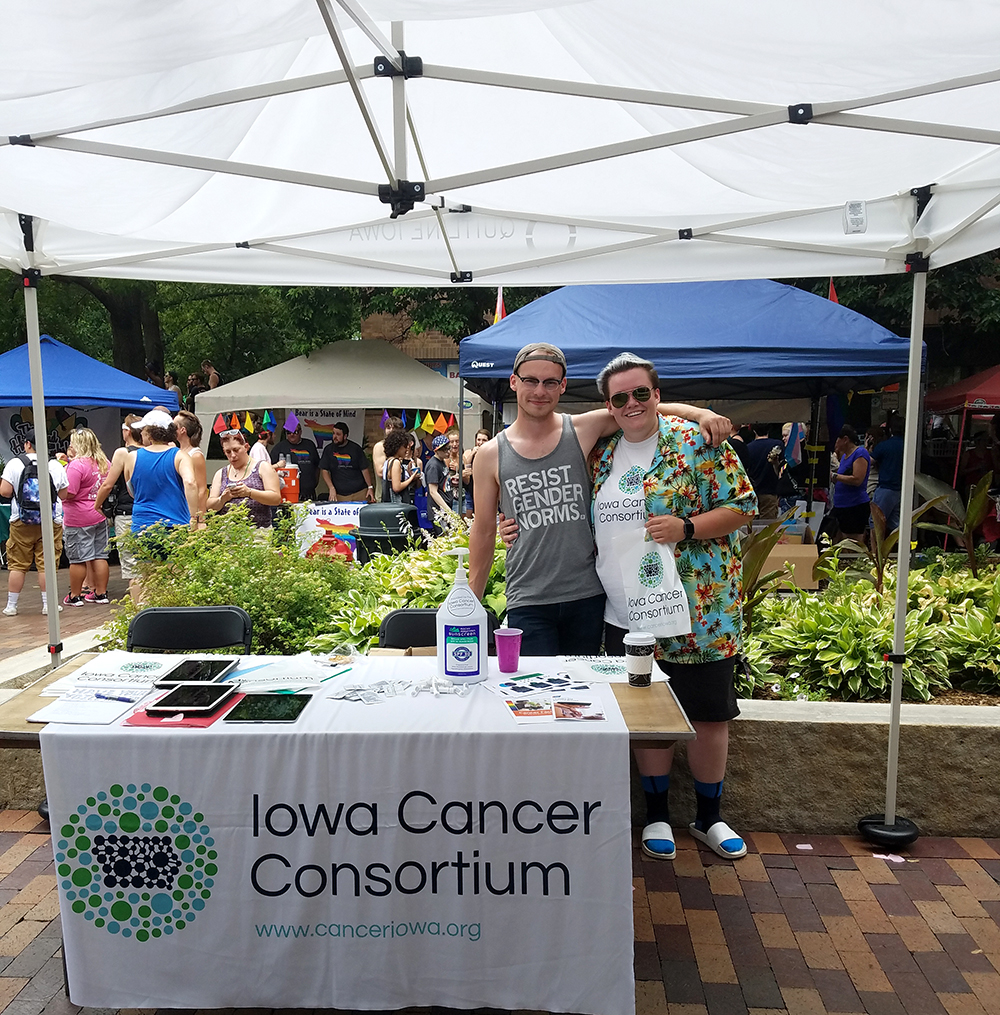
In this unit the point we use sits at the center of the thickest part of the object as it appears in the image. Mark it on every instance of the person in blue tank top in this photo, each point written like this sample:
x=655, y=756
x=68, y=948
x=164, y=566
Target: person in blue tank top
x=160, y=477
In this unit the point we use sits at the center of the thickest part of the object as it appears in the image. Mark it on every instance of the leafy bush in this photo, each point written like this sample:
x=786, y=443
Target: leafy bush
x=835, y=641
x=804, y=645
x=288, y=597
x=419, y=577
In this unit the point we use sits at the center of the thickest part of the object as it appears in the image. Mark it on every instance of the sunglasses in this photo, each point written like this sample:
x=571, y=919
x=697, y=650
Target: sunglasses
x=620, y=398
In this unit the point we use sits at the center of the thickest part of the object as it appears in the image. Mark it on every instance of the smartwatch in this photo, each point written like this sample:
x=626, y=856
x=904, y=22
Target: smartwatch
x=688, y=528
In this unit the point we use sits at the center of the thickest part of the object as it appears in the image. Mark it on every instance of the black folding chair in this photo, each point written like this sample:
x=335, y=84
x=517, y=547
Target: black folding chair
x=416, y=627
x=194, y=628
x=408, y=628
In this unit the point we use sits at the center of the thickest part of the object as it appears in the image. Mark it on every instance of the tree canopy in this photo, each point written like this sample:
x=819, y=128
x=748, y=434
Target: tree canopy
x=243, y=329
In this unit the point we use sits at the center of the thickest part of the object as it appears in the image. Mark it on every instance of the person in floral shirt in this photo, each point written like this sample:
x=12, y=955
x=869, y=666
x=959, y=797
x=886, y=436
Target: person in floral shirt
x=659, y=473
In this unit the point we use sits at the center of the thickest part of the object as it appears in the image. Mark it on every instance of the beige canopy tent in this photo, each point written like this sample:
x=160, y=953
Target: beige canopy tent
x=345, y=375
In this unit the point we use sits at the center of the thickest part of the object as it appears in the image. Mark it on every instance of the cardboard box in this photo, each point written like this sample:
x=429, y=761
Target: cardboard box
x=803, y=556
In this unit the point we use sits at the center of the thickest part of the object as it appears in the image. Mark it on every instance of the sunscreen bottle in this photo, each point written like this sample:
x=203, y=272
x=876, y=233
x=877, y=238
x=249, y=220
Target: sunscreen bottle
x=461, y=631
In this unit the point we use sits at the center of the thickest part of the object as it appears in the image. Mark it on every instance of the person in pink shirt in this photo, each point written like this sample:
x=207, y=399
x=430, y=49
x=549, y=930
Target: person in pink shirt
x=85, y=529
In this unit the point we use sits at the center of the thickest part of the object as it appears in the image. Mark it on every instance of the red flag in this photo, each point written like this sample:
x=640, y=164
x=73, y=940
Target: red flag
x=832, y=294
x=500, y=313
x=220, y=424
x=451, y=420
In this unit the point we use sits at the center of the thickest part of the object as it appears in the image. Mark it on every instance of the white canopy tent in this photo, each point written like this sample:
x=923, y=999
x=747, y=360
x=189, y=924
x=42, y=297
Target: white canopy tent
x=344, y=375
x=537, y=142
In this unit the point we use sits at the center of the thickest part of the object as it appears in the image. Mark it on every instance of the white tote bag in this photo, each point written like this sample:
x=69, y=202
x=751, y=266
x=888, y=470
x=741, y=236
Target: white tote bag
x=656, y=600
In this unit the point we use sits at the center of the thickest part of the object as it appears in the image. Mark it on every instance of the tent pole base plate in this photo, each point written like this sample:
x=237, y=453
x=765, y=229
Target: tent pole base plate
x=899, y=834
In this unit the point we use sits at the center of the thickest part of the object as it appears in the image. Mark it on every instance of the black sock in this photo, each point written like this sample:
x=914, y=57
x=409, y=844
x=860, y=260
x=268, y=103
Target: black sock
x=656, y=788
x=709, y=797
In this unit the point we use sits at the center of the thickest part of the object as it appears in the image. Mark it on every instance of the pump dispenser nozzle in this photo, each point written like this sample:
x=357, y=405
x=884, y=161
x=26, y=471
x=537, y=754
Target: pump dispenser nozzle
x=461, y=576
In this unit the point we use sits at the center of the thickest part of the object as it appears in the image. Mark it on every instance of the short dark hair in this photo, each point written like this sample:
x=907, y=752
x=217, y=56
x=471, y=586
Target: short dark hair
x=394, y=423
x=161, y=434
x=394, y=441
x=343, y=427
x=849, y=432
x=622, y=362
x=192, y=426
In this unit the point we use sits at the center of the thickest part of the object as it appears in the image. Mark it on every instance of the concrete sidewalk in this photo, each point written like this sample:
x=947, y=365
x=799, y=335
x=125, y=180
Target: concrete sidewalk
x=24, y=639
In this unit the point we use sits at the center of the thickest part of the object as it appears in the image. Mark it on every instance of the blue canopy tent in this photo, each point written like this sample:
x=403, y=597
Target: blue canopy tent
x=736, y=339
x=72, y=378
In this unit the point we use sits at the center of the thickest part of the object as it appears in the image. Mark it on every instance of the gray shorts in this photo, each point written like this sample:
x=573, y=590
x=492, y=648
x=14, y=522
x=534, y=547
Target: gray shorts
x=123, y=526
x=89, y=542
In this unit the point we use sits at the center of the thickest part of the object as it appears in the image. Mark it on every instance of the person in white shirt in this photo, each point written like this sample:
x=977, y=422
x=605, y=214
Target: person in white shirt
x=25, y=541
x=261, y=451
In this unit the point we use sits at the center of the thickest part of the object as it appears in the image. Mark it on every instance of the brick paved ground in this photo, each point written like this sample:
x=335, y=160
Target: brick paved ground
x=29, y=628
x=802, y=925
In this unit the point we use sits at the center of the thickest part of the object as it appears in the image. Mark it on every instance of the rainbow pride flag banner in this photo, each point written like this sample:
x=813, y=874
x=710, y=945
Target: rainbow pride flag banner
x=317, y=424
x=326, y=529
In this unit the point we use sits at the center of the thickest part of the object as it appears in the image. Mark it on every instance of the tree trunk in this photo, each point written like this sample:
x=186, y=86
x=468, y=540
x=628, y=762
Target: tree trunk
x=151, y=336
x=125, y=312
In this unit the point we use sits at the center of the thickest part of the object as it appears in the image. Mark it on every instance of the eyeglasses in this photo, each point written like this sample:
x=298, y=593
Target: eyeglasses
x=620, y=398
x=550, y=383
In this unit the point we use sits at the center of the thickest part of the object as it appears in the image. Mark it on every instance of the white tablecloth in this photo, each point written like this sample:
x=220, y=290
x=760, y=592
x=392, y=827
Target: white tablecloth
x=420, y=851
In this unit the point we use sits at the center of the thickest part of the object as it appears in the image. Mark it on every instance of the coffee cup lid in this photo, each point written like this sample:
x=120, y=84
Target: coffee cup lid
x=639, y=638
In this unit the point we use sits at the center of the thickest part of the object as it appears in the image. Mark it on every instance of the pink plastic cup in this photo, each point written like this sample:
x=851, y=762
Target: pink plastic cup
x=508, y=641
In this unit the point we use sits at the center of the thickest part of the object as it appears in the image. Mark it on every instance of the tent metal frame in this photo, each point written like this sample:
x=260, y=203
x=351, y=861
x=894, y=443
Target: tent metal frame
x=741, y=117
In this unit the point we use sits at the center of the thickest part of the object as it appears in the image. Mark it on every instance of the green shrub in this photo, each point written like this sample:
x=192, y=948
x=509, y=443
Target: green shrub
x=419, y=577
x=836, y=640
x=230, y=562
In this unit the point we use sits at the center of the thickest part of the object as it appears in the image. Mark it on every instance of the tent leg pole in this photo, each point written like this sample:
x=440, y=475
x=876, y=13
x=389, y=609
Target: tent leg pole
x=42, y=450
x=461, y=445
x=895, y=830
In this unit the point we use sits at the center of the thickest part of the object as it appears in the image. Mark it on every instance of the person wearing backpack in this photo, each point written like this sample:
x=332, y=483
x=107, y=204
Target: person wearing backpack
x=20, y=483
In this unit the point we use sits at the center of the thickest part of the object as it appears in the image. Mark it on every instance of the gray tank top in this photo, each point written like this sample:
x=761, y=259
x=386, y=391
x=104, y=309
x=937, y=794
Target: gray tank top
x=552, y=559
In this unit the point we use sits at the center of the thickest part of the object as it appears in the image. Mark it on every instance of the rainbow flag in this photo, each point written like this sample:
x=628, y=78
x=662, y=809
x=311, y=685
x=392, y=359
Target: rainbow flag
x=501, y=311
x=322, y=432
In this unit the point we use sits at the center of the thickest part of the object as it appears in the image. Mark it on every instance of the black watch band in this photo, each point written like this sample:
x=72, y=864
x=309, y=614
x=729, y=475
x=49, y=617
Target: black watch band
x=688, y=528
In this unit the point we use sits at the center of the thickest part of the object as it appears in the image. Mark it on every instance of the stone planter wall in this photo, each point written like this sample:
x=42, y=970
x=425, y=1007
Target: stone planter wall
x=818, y=767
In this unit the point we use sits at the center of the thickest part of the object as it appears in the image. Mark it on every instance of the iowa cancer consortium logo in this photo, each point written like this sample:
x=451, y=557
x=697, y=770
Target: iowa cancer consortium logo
x=137, y=861
x=650, y=570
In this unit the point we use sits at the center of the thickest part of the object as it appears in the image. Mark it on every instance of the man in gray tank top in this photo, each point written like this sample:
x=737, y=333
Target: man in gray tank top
x=535, y=472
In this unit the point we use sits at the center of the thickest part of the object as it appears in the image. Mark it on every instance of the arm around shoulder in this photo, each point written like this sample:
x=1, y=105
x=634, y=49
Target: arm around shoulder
x=483, y=534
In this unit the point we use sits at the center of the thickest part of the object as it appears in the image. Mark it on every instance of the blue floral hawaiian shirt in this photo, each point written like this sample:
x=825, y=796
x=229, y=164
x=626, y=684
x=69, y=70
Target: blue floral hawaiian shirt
x=689, y=477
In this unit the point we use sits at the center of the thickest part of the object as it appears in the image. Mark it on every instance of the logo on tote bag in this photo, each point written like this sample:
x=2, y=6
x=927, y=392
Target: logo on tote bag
x=137, y=861
x=651, y=570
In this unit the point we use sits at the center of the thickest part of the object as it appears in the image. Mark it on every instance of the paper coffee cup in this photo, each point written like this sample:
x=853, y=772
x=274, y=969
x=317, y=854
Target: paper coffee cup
x=639, y=657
